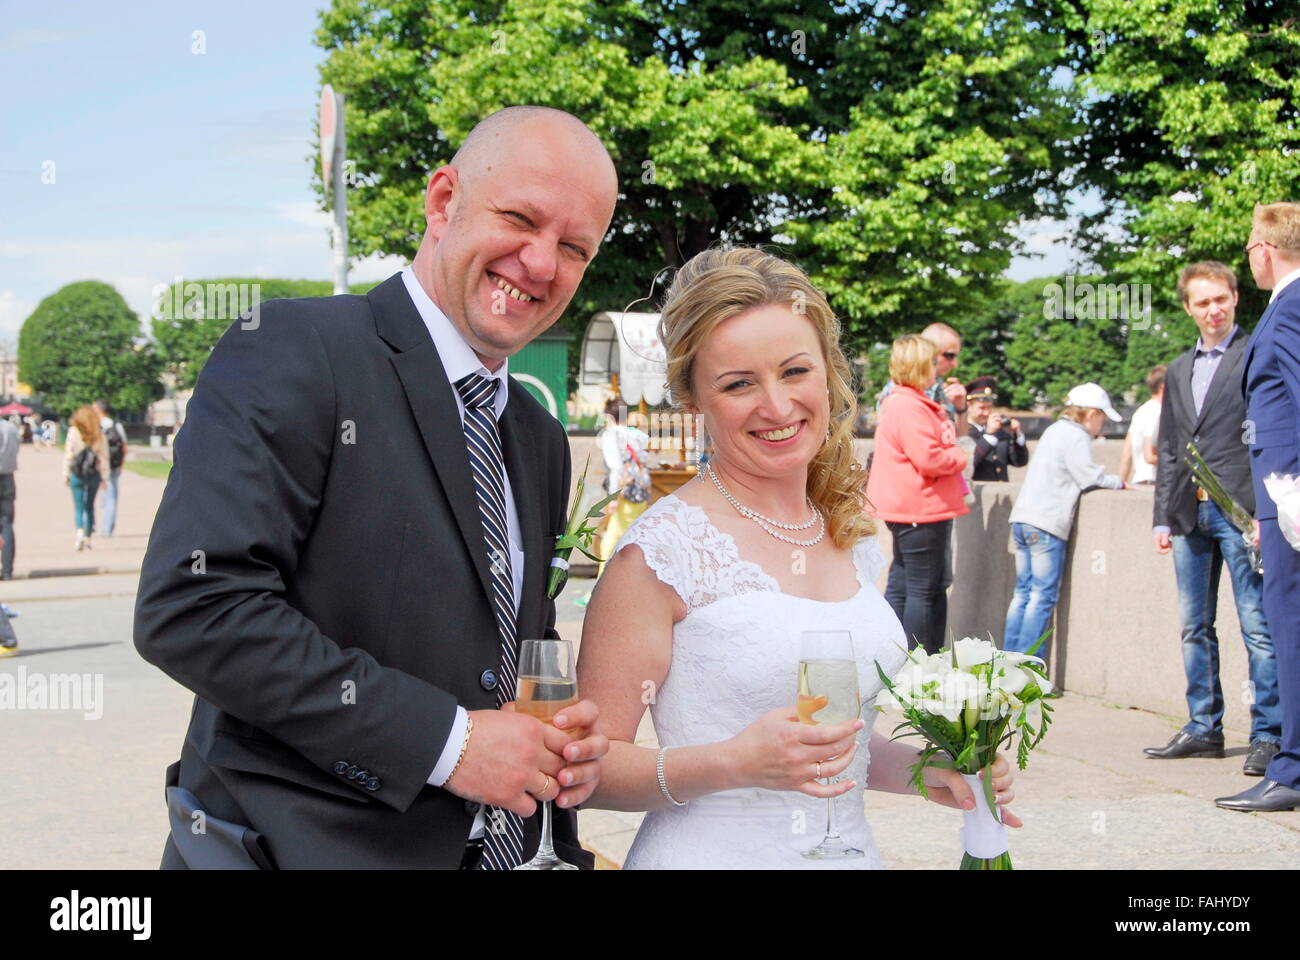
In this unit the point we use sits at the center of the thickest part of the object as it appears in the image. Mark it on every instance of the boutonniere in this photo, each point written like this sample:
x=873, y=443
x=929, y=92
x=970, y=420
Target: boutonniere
x=577, y=535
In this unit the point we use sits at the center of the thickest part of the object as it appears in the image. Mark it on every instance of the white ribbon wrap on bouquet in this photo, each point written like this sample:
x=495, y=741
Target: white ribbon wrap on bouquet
x=981, y=834
x=560, y=562
x=1285, y=491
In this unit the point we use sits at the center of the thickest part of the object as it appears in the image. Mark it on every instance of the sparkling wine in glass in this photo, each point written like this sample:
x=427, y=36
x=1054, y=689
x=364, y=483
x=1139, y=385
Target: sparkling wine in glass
x=828, y=669
x=548, y=683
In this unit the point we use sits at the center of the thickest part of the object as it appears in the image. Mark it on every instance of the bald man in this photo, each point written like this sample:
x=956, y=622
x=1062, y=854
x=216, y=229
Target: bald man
x=355, y=538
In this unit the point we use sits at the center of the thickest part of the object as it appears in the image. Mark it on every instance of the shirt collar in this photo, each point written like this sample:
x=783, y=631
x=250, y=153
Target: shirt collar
x=1277, y=288
x=1221, y=346
x=458, y=359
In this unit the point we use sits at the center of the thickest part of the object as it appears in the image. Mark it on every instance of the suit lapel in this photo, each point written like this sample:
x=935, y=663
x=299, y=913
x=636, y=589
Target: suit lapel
x=436, y=415
x=518, y=445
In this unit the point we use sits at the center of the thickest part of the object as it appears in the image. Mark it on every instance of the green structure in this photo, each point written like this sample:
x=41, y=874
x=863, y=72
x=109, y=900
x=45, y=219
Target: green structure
x=543, y=368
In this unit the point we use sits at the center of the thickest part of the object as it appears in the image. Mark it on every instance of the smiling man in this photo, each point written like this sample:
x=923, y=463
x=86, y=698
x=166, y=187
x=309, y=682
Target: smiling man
x=355, y=537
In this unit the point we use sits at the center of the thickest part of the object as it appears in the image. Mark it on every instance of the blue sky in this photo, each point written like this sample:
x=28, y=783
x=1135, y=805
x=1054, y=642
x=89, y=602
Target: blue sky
x=167, y=162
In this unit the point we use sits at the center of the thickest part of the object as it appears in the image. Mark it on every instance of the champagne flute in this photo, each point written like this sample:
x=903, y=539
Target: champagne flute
x=828, y=668
x=548, y=683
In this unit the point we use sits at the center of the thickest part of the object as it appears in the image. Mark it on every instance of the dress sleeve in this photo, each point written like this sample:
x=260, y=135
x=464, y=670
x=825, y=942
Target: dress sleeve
x=664, y=545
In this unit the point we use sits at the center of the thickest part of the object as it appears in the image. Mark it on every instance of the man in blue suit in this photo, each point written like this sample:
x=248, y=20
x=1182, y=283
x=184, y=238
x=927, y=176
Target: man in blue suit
x=1272, y=383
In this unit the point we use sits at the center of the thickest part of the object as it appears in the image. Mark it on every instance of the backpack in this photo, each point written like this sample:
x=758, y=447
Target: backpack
x=86, y=464
x=116, y=449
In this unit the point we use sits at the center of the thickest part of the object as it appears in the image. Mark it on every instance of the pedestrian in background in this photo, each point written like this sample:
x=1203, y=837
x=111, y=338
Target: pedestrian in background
x=916, y=487
x=115, y=440
x=1137, y=462
x=85, y=466
x=10, y=440
x=1061, y=469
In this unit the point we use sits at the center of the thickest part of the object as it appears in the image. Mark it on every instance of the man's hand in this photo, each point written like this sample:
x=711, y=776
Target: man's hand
x=995, y=423
x=956, y=393
x=574, y=735
x=1015, y=426
x=506, y=759
x=1162, y=542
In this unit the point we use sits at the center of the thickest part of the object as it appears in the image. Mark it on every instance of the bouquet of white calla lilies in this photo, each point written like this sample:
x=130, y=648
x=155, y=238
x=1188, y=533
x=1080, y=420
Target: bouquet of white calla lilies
x=966, y=701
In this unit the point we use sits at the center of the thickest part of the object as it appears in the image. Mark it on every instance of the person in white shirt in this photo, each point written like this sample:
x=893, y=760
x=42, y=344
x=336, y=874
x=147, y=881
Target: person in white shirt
x=115, y=438
x=1137, y=463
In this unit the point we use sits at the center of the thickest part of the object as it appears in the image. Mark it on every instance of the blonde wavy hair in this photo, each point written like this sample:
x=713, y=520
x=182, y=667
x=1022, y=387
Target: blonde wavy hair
x=720, y=283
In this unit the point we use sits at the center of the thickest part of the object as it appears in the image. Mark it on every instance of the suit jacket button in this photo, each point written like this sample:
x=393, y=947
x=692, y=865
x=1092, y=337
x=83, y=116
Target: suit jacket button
x=341, y=768
x=351, y=772
x=488, y=680
x=472, y=807
x=372, y=784
x=360, y=776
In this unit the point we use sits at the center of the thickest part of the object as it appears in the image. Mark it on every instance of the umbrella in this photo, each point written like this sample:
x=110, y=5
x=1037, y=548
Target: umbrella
x=17, y=408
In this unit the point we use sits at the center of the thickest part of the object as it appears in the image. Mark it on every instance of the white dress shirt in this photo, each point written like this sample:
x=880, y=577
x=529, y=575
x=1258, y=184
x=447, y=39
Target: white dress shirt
x=1277, y=287
x=460, y=361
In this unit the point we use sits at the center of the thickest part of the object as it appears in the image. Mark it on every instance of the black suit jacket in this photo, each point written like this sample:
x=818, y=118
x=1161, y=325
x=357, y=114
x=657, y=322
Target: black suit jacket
x=317, y=575
x=991, y=461
x=1217, y=431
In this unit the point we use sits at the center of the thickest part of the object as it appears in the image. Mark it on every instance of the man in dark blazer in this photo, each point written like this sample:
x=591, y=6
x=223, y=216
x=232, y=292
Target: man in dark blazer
x=999, y=441
x=1203, y=404
x=1271, y=379
x=319, y=572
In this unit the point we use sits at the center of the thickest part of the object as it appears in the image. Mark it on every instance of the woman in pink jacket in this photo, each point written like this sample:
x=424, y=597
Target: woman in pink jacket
x=915, y=486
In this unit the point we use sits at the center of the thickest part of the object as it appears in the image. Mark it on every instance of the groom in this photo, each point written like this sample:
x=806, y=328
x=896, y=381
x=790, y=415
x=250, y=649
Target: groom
x=356, y=533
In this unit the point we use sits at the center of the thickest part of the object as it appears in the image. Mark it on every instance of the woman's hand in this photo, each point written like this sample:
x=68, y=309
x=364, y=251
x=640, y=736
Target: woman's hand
x=948, y=788
x=777, y=752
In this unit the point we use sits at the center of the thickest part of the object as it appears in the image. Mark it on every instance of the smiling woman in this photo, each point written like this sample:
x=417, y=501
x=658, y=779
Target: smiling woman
x=707, y=597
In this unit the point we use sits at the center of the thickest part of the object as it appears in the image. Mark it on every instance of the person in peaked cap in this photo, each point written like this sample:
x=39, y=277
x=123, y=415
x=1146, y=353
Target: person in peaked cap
x=999, y=441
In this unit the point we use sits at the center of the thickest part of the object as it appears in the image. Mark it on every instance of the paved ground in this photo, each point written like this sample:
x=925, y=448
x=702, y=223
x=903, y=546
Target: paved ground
x=83, y=792
x=43, y=524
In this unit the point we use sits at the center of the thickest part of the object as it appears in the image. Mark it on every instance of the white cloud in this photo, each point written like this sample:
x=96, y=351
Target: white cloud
x=28, y=37
x=305, y=213
x=135, y=267
x=13, y=311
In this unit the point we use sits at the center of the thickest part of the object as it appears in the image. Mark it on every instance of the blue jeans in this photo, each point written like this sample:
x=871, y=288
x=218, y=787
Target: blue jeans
x=83, y=502
x=1198, y=563
x=110, y=501
x=1040, y=564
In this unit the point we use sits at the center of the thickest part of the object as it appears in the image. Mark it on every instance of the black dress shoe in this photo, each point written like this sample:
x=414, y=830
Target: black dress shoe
x=1261, y=752
x=1265, y=796
x=1185, y=745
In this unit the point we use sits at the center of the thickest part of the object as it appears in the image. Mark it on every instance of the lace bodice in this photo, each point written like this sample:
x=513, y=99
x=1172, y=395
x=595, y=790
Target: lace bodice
x=735, y=656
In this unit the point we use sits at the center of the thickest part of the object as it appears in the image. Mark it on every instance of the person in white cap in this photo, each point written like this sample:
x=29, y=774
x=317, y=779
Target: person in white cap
x=1061, y=469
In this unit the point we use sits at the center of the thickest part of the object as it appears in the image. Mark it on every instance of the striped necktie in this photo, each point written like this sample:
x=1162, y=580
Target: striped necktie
x=503, y=841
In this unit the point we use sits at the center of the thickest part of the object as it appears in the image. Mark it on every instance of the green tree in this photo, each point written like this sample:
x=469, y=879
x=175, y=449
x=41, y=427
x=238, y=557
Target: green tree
x=83, y=343
x=190, y=317
x=885, y=146
x=1192, y=120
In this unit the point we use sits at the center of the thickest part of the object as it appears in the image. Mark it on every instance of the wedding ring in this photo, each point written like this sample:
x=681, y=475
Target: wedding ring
x=819, y=769
x=546, y=786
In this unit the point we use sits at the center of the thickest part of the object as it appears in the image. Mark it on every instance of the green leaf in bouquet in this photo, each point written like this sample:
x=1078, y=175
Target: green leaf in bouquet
x=598, y=508
x=987, y=780
x=1033, y=650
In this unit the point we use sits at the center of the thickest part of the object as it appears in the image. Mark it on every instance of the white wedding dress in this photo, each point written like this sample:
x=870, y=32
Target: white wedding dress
x=735, y=657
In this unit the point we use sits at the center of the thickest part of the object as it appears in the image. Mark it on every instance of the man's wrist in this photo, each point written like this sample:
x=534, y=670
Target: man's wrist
x=453, y=750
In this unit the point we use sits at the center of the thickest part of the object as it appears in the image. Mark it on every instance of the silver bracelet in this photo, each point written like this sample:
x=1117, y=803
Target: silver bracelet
x=663, y=784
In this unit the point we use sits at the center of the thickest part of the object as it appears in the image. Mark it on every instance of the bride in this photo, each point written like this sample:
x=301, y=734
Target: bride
x=699, y=613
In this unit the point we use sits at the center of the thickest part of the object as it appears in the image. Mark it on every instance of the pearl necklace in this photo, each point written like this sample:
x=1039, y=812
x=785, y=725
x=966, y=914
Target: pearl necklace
x=767, y=523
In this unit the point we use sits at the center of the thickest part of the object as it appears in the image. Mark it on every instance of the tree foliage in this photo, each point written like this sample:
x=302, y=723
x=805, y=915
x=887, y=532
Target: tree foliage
x=885, y=146
x=83, y=343
x=1192, y=120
